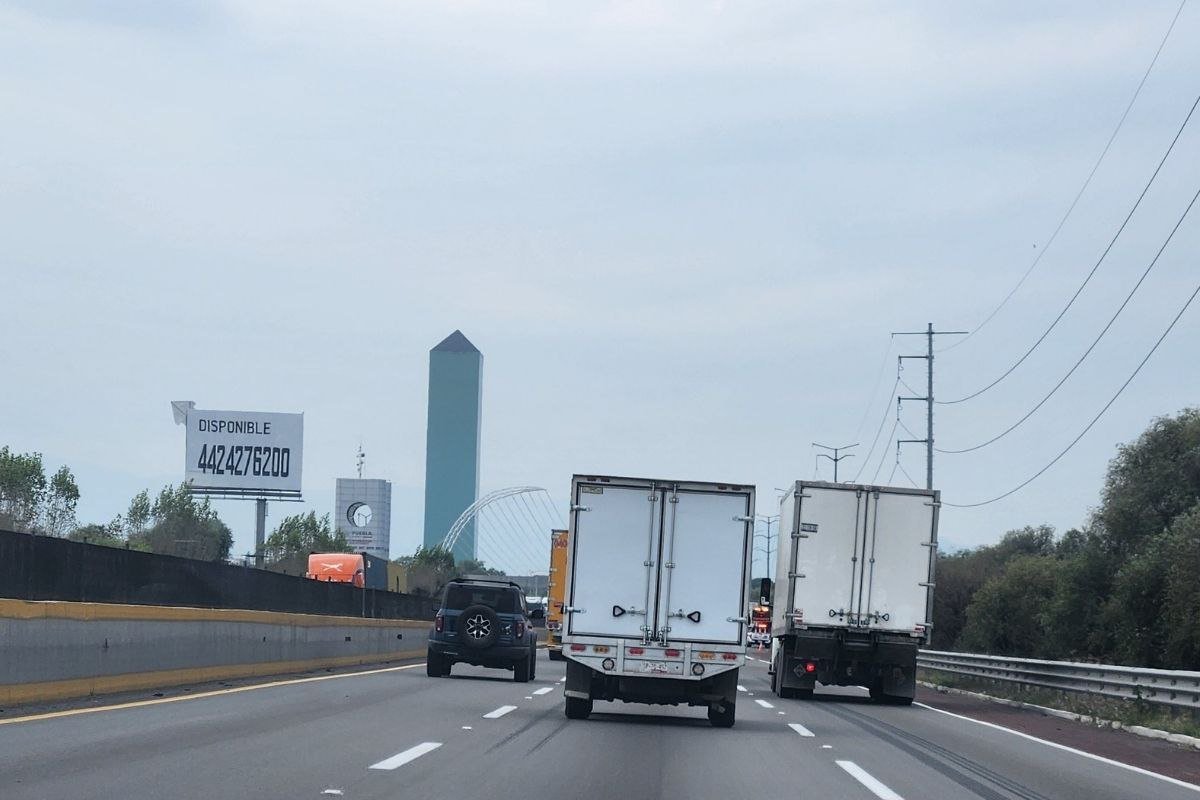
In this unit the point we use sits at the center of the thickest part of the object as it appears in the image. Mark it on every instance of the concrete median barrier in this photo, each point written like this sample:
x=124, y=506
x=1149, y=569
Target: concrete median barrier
x=58, y=650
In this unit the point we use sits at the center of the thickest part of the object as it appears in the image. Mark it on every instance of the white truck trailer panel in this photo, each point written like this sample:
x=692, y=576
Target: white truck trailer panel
x=855, y=557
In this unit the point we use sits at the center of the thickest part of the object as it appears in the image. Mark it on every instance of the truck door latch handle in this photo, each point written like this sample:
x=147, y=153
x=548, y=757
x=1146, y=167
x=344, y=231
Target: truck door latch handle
x=694, y=616
x=736, y=619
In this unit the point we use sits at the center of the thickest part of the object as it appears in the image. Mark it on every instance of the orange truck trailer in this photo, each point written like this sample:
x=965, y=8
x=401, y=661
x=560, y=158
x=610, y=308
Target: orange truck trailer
x=555, y=593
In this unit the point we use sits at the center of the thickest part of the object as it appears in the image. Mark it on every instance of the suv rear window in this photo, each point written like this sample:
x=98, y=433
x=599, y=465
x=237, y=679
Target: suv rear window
x=459, y=596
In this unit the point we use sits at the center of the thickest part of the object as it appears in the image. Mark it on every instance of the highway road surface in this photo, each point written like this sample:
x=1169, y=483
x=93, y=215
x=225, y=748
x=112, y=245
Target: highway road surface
x=394, y=733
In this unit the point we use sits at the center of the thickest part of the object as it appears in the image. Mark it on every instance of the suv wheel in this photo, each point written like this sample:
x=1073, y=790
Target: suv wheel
x=436, y=665
x=523, y=670
x=478, y=627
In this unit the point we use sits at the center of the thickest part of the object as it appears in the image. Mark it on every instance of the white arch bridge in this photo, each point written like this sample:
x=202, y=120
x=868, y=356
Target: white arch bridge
x=512, y=529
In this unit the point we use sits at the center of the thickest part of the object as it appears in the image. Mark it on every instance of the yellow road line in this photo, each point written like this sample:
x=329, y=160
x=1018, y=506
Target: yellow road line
x=215, y=693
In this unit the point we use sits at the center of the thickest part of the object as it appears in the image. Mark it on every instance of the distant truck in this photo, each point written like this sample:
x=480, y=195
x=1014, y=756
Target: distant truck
x=854, y=588
x=656, y=593
x=559, y=540
x=358, y=569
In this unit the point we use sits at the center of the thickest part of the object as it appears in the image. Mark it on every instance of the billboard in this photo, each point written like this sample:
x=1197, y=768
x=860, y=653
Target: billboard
x=363, y=512
x=247, y=453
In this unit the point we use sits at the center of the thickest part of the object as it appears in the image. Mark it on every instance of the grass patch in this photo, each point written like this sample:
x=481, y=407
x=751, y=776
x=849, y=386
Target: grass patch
x=1126, y=712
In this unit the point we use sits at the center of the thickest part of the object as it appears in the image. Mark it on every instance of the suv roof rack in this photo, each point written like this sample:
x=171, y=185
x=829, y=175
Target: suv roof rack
x=485, y=579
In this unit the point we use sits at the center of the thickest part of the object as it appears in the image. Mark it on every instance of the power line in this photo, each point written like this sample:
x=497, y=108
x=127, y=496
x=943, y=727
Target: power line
x=910, y=478
x=1091, y=347
x=1082, y=189
x=875, y=388
x=1095, y=419
x=866, y=460
x=883, y=453
x=1096, y=267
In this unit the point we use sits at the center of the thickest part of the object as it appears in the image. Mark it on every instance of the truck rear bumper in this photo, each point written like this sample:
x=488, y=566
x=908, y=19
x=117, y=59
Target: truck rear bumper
x=886, y=664
x=586, y=682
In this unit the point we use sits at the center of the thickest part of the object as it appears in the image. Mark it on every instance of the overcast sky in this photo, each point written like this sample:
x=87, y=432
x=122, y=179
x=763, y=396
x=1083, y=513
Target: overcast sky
x=680, y=233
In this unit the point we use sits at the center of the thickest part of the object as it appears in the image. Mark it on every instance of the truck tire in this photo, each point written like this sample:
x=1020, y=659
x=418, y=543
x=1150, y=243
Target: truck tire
x=578, y=707
x=436, y=665
x=723, y=718
x=556, y=655
x=522, y=670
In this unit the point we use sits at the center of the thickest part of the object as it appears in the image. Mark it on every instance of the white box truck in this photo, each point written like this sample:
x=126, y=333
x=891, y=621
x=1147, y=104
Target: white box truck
x=854, y=588
x=655, y=608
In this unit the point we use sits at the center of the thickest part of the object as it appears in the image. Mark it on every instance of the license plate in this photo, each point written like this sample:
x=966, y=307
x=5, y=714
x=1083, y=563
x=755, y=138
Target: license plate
x=657, y=667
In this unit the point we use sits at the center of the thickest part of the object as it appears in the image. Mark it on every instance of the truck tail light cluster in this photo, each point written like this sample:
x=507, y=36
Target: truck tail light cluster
x=439, y=623
x=810, y=666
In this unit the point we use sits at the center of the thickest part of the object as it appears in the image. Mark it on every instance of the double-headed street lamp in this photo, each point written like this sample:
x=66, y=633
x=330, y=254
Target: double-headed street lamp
x=770, y=520
x=835, y=458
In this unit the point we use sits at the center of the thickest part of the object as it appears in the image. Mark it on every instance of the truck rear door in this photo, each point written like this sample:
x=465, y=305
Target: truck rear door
x=899, y=561
x=703, y=581
x=615, y=553
x=825, y=577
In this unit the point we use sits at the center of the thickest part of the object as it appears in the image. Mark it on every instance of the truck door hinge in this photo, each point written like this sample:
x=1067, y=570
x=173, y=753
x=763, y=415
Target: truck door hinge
x=574, y=610
x=742, y=620
x=797, y=575
x=577, y=507
x=743, y=518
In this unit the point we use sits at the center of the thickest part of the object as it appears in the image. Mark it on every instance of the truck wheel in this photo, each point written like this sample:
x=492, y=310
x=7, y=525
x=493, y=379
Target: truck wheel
x=578, y=708
x=722, y=718
x=521, y=670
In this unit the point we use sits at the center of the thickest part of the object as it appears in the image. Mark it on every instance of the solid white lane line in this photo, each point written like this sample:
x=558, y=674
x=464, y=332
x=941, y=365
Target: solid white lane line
x=1058, y=746
x=800, y=729
x=741, y=688
x=764, y=704
x=543, y=690
x=499, y=712
x=400, y=759
x=866, y=779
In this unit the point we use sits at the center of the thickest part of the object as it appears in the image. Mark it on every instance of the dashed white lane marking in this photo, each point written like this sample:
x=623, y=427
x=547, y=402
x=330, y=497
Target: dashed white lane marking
x=499, y=712
x=400, y=759
x=543, y=690
x=826, y=747
x=866, y=779
x=1058, y=746
x=467, y=728
x=528, y=697
x=764, y=704
x=800, y=729
x=782, y=713
x=741, y=688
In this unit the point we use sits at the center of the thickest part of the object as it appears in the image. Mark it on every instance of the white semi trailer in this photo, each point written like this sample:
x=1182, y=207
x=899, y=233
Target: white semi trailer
x=655, y=608
x=854, y=588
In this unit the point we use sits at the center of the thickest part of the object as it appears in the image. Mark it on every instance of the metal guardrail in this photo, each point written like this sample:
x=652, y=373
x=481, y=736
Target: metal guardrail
x=1172, y=688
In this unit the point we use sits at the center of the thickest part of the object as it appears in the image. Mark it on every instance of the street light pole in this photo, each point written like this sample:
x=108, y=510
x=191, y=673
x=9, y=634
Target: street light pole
x=835, y=458
x=769, y=520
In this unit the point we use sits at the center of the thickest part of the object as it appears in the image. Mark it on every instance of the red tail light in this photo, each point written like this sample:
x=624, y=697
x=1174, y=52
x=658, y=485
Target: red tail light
x=520, y=630
x=439, y=623
x=810, y=667
x=729, y=656
x=671, y=653
x=578, y=648
x=636, y=651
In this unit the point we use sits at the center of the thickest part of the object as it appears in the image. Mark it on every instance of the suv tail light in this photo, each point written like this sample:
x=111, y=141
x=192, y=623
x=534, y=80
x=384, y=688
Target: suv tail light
x=439, y=623
x=520, y=629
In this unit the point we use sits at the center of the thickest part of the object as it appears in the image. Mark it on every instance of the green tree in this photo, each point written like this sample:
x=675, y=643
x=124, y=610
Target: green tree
x=301, y=534
x=472, y=566
x=109, y=535
x=1010, y=613
x=22, y=489
x=58, y=507
x=181, y=526
x=137, y=518
x=1181, y=612
x=1151, y=482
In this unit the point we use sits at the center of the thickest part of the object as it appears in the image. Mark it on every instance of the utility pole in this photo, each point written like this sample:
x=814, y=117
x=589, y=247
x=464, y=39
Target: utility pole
x=835, y=458
x=770, y=520
x=928, y=333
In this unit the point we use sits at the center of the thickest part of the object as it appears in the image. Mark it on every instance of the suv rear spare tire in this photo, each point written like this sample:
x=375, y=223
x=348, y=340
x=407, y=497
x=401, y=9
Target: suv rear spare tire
x=478, y=626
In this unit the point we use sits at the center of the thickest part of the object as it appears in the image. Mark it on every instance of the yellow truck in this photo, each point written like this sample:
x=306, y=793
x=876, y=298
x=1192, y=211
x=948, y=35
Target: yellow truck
x=555, y=593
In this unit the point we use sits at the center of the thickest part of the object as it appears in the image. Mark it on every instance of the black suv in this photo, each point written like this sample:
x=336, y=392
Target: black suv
x=485, y=623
